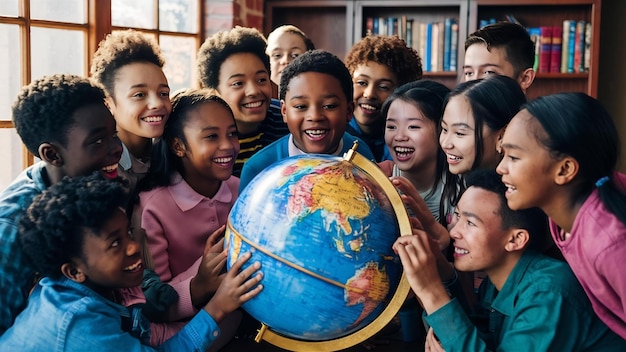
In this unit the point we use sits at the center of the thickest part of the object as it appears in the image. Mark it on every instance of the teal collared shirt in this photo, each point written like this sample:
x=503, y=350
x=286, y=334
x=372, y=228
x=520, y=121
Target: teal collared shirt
x=541, y=307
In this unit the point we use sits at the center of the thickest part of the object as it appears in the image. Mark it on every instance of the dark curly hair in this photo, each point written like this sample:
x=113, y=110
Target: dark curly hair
x=119, y=49
x=52, y=230
x=513, y=38
x=44, y=109
x=317, y=61
x=221, y=45
x=392, y=52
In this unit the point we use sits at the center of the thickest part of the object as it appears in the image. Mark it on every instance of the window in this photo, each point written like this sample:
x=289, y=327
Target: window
x=40, y=37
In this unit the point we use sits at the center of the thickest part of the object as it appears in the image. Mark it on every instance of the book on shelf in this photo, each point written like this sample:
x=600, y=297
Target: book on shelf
x=434, y=47
x=402, y=30
x=555, y=49
x=447, y=42
x=571, y=45
x=579, y=47
x=375, y=27
x=369, y=26
x=565, y=45
x=546, y=48
x=535, y=36
x=409, y=33
x=587, y=47
x=423, y=31
x=454, y=46
x=427, y=60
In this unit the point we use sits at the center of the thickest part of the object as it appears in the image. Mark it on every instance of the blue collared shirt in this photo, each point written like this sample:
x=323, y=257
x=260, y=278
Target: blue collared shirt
x=63, y=315
x=16, y=276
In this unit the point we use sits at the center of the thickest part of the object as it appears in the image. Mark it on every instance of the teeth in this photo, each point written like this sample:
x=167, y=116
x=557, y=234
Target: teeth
x=223, y=160
x=254, y=104
x=153, y=118
x=453, y=157
x=368, y=107
x=315, y=133
x=404, y=150
x=460, y=250
x=110, y=168
x=134, y=266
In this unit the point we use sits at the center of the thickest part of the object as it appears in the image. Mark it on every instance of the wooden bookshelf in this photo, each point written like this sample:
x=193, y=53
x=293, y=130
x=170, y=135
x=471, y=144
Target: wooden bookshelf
x=328, y=23
x=420, y=11
x=536, y=13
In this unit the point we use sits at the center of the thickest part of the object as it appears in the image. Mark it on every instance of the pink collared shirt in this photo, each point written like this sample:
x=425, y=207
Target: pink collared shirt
x=178, y=221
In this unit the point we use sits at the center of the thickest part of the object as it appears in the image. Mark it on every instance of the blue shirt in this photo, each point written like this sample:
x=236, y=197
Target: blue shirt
x=541, y=307
x=16, y=276
x=376, y=144
x=279, y=150
x=63, y=315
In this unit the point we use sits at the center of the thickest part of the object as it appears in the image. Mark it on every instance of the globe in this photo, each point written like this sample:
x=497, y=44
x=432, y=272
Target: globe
x=322, y=228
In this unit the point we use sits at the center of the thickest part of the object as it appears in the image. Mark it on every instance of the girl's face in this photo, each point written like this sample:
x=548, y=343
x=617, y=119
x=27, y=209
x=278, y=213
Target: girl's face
x=410, y=136
x=527, y=168
x=282, y=49
x=141, y=101
x=373, y=83
x=212, y=146
x=458, y=140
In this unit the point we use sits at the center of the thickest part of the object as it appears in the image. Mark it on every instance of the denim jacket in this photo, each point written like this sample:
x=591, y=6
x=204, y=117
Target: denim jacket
x=63, y=315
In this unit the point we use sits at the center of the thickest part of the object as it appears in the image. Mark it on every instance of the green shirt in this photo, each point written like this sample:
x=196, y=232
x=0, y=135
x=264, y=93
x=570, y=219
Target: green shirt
x=541, y=307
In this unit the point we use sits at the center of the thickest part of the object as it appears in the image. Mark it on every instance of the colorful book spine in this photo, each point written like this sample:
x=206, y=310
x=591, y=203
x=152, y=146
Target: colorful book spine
x=535, y=36
x=579, y=47
x=375, y=28
x=565, y=45
x=555, y=49
x=435, y=48
x=454, y=46
x=369, y=26
x=447, y=43
x=427, y=47
x=423, y=29
x=571, y=46
x=546, y=46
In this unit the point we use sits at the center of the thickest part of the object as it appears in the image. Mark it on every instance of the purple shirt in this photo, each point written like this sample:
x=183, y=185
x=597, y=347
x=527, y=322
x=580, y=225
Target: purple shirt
x=596, y=250
x=178, y=221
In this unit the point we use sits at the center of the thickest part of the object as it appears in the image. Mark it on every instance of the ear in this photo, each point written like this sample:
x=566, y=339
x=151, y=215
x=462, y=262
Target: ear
x=178, y=147
x=283, y=110
x=567, y=169
x=350, y=110
x=110, y=104
x=499, y=135
x=50, y=154
x=70, y=271
x=517, y=240
x=526, y=78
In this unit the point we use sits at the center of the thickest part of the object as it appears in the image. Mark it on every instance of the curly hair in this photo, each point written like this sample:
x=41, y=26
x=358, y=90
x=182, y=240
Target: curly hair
x=119, y=49
x=392, y=52
x=52, y=230
x=220, y=46
x=44, y=109
x=317, y=61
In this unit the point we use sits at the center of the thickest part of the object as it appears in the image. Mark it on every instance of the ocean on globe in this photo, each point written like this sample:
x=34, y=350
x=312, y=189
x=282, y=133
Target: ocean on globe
x=322, y=229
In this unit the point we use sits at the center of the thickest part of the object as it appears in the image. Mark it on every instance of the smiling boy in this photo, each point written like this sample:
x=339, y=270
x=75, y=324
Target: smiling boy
x=63, y=121
x=315, y=94
x=528, y=300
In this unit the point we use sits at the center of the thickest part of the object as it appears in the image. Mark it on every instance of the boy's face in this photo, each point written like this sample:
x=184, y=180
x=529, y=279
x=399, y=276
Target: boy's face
x=283, y=48
x=316, y=111
x=92, y=143
x=111, y=258
x=479, y=241
x=373, y=83
x=245, y=85
x=527, y=167
x=411, y=137
x=212, y=145
x=141, y=101
x=480, y=62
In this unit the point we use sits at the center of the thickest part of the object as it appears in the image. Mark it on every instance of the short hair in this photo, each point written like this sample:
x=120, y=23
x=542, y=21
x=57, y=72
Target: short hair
x=44, y=110
x=392, y=52
x=221, y=45
x=320, y=61
x=52, y=230
x=288, y=28
x=518, y=46
x=164, y=162
x=119, y=49
x=533, y=220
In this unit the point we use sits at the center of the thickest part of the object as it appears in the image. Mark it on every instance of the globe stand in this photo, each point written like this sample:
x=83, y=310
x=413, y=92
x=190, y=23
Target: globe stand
x=265, y=332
